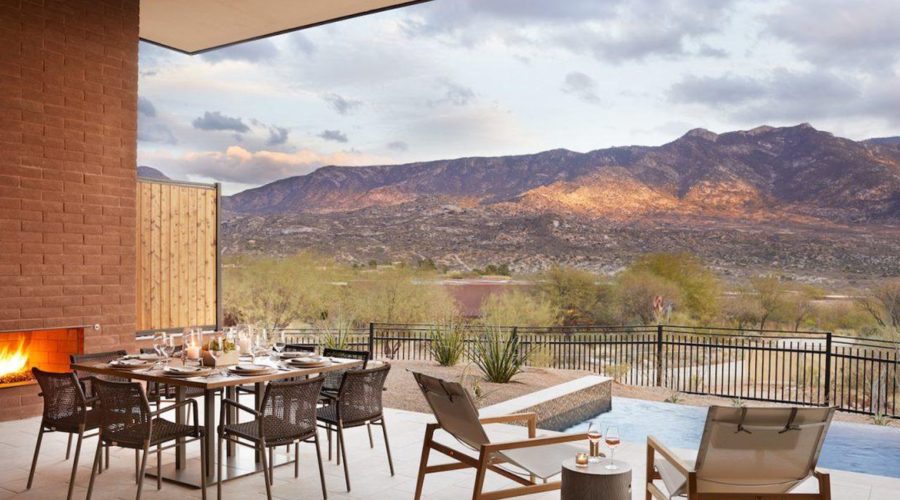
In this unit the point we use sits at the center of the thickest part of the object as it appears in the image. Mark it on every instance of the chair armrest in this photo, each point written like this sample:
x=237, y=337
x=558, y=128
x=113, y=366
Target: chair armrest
x=532, y=442
x=512, y=417
x=529, y=417
x=239, y=406
x=669, y=455
x=192, y=402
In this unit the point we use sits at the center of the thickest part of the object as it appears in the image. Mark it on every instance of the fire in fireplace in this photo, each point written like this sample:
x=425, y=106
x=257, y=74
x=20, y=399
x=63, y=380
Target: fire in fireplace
x=45, y=349
x=14, y=364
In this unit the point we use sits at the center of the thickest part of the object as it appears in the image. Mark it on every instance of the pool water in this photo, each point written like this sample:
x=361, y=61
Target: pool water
x=869, y=449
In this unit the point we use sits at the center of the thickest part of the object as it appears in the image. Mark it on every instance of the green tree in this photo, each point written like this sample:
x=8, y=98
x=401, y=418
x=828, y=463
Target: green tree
x=574, y=295
x=699, y=287
x=397, y=296
x=638, y=293
x=274, y=293
x=770, y=296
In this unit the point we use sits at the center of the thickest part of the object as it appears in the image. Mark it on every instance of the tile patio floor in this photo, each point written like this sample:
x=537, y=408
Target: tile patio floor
x=368, y=470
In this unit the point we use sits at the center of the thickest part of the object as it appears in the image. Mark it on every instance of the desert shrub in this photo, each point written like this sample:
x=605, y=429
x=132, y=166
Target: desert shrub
x=575, y=296
x=397, y=296
x=637, y=293
x=499, y=356
x=273, y=293
x=698, y=286
x=448, y=343
x=541, y=356
x=618, y=371
x=336, y=333
x=517, y=308
x=769, y=292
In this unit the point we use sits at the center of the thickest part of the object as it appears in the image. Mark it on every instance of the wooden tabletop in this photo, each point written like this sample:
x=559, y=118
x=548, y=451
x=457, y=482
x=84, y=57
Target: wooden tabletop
x=225, y=379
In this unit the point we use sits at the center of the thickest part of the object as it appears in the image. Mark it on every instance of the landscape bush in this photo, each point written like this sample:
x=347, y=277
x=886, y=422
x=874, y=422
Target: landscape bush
x=448, y=344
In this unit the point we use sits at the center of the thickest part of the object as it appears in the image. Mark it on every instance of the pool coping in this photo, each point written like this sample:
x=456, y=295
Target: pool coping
x=560, y=406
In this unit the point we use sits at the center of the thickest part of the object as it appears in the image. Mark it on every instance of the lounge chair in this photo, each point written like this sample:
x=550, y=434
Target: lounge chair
x=745, y=453
x=536, y=457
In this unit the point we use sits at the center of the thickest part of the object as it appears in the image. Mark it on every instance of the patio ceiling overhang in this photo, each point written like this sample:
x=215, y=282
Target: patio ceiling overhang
x=197, y=26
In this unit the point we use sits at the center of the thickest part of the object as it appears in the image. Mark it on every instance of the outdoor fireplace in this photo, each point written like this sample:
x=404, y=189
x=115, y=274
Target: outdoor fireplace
x=46, y=349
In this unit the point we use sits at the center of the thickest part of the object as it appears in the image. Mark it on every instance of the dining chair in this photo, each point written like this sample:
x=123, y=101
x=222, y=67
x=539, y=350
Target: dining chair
x=333, y=379
x=125, y=420
x=357, y=403
x=66, y=410
x=300, y=347
x=287, y=416
x=85, y=379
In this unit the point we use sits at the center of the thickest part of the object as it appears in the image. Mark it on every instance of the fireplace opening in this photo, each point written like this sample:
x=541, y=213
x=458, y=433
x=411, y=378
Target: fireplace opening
x=46, y=349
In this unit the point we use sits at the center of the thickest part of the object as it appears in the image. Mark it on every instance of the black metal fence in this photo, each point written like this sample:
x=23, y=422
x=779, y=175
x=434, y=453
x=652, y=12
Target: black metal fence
x=810, y=368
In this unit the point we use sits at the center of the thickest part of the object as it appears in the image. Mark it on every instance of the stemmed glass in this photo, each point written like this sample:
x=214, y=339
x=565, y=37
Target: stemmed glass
x=159, y=339
x=215, y=352
x=594, y=438
x=613, y=442
x=279, y=343
x=168, y=350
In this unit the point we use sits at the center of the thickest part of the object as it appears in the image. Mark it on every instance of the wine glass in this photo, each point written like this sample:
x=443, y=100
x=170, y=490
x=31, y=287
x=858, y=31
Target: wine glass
x=279, y=343
x=158, y=340
x=215, y=352
x=594, y=436
x=168, y=349
x=612, y=441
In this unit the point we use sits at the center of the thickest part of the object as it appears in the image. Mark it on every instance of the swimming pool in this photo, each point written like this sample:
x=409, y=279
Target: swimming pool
x=869, y=449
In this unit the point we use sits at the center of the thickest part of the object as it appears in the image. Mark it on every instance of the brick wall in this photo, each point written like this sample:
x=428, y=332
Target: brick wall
x=68, y=120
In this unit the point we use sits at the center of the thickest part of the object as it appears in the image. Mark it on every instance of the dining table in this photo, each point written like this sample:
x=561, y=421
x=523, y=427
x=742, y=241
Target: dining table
x=239, y=461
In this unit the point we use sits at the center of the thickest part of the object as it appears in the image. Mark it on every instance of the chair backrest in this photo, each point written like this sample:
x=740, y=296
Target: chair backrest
x=333, y=379
x=96, y=356
x=359, y=397
x=300, y=347
x=122, y=405
x=293, y=403
x=760, y=450
x=453, y=408
x=62, y=394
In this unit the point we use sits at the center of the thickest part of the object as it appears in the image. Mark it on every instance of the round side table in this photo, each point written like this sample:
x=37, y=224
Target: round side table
x=595, y=482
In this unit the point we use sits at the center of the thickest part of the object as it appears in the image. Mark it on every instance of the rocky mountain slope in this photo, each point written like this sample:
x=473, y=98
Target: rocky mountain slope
x=793, y=200
x=792, y=170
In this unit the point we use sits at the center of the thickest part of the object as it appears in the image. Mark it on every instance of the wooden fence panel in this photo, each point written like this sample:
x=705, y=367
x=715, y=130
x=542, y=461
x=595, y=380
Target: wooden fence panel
x=177, y=255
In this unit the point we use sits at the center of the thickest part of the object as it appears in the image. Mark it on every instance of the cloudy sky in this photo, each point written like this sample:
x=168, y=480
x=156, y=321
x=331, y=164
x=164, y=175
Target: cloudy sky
x=456, y=78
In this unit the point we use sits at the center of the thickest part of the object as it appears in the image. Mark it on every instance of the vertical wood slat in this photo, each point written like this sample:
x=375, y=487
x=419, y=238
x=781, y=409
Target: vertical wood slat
x=176, y=260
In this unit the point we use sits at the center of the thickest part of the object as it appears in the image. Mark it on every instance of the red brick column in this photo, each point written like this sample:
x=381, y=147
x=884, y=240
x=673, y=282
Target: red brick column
x=68, y=125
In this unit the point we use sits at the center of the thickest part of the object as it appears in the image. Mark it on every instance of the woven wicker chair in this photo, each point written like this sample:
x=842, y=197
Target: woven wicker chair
x=85, y=380
x=300, y=347
x=127, y=422
x=65, y=410
x=333, y=379
x=287, y=416
x=358, y=403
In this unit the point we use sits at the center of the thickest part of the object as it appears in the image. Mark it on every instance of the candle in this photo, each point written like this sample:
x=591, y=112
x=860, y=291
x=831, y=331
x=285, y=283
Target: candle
x=581, y=459
x=193, y=352
x=244, y=344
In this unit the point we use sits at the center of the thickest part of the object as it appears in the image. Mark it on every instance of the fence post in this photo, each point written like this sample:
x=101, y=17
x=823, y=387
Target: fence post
x=371, y=340
x=828, y=369
x=659, y=355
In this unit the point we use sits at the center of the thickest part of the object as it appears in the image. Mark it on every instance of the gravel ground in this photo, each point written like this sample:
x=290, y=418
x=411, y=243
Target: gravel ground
x=402, y=392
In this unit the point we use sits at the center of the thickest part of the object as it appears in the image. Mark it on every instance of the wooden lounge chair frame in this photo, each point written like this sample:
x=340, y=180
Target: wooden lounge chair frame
x=653, y=492
x=488, y=458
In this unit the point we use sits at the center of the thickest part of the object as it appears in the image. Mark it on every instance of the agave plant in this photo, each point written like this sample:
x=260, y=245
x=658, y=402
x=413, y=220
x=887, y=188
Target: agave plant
x=499, y=356
x=447, y=344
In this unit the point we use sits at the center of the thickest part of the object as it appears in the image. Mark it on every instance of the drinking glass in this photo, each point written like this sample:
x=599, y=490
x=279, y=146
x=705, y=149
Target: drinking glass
x=158, y=340
x=168, y=349
x=612, y=441
x=279, y=343
x=594, y=436
x=216, y=352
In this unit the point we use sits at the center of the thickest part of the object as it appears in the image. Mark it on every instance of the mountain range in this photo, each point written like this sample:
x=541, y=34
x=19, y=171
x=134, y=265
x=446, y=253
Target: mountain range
x=764, y=172
x=792, y=200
